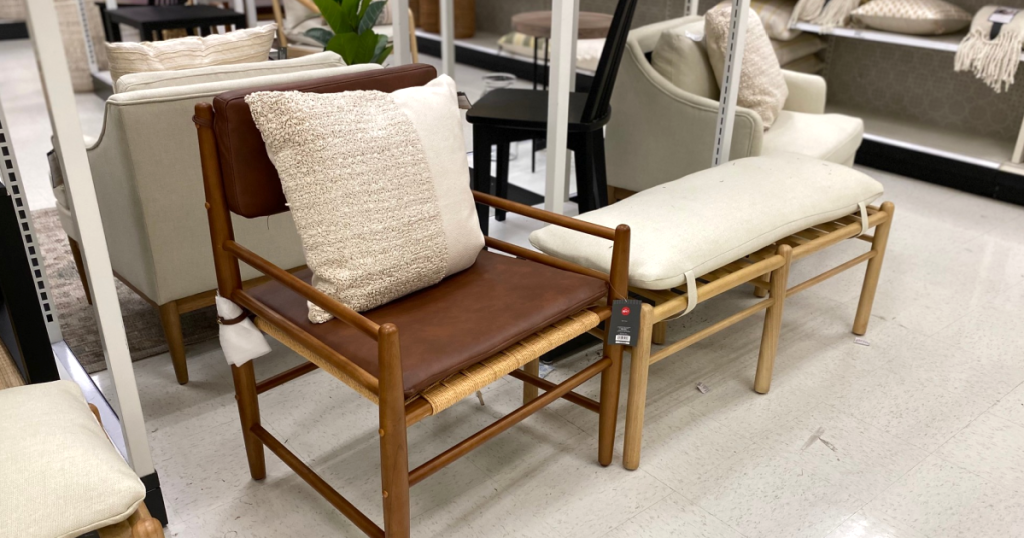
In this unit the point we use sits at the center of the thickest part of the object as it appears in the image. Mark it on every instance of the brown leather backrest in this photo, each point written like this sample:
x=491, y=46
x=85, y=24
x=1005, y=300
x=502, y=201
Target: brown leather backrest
x=251, y=182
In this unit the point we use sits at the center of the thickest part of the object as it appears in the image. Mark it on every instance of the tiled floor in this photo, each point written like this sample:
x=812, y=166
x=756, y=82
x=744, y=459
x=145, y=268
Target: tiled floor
x=919, y=435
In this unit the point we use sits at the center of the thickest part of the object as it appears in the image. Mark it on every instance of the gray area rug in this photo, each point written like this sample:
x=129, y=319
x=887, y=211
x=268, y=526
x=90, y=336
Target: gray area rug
x=76, y=316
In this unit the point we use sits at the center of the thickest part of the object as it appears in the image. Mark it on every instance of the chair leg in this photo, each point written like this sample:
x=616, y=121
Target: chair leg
x=658, y=333
x=636, y=401
x=530, y=391
x=867, y=293
x=584, y=156
x=501, y=182
x=610, y=380
x=413, y=46
x=249, y=412
x=772, y=323
x=760, y=292
x=394, y=454
x=76, y=253
x=482, y=174
x=600, y=170
x=170, y=318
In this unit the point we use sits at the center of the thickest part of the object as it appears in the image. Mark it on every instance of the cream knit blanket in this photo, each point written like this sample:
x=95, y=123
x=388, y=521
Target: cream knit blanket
x=994, y=61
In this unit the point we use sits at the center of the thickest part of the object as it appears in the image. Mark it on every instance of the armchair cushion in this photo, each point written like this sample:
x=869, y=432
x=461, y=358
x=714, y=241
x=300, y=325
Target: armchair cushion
x=377, y=185
x=829, y=137
x=807, y=92
x=681, y=57
x=711, y=218
x=59, y=475
x=462, y=320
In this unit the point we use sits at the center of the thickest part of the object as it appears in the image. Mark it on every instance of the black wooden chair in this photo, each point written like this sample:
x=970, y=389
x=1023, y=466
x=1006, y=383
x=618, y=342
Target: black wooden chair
x=511, y=115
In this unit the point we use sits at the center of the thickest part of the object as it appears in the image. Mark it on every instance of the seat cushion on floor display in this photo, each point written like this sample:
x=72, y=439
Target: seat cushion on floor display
x=377, y=186
x=711, y=218
x=59, y=475
x=462, y=320
x=239, y=47
x=830, y=137
x=186, y=77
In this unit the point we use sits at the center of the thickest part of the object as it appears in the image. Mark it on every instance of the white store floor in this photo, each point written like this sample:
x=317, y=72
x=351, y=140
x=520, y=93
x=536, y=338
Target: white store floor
x=919, y=435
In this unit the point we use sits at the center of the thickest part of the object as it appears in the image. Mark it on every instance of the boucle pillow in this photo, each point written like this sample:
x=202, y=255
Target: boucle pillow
x=916, y=17
x=378, y=186
x=762, y=87
x=239, y=47
x=775, y=16
x=793, y=50
x=681, y=57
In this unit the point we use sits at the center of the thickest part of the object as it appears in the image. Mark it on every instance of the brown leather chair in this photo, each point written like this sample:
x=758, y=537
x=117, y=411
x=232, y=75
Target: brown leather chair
x=494, y=319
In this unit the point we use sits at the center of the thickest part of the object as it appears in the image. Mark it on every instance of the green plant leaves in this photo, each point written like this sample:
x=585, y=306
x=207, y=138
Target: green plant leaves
x=331, y=12
x=371, y=15
x=355, y=48
x=322, y=35
x=382, y=50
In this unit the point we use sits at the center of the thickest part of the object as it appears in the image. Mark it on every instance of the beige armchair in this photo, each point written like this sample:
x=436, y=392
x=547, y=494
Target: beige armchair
x=660, y=132
x=145, y=165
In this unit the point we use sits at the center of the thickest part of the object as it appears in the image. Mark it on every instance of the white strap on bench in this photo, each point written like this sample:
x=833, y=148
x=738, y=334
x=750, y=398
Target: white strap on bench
x=863, y=218
x=691, y=296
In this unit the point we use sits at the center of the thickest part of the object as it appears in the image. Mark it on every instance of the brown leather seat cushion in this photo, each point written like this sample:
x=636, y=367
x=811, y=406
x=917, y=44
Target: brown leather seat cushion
x=462, y=320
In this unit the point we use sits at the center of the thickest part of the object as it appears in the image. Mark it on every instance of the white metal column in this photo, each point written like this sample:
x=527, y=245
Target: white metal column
x=572, y=82
x=731, y=81
x=448, y=37
x=401, y=55
x=56, y=79
x=564, y=15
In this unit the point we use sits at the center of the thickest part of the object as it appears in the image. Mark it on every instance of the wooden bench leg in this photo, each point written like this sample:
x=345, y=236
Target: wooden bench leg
x=394, y=452
x=760, y=292
x=867, y=293
x=170, y=318
x=530, y=391
x=640, y=363
x=76, y=254
x=772, y=323
x=249, y=412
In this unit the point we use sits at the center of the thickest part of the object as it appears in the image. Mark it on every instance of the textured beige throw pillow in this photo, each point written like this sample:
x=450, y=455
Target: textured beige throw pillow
x=378, y=186
x=916, y=17
x=238, y=47
x=762, y=86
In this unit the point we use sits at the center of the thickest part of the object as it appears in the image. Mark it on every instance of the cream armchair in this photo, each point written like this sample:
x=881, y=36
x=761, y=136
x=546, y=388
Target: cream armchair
x=660, y=132
x=149, y=183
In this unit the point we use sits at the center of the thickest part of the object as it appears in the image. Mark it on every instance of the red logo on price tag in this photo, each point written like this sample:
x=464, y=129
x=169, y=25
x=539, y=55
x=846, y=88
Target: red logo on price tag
x=625, y=311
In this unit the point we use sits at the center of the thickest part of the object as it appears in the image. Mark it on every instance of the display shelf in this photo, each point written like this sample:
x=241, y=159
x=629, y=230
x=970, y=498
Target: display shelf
x=947, y=43
x=979, y=150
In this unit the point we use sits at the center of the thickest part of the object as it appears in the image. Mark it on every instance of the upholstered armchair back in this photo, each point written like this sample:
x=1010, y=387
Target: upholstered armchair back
x=148, y=178
x=659, y=132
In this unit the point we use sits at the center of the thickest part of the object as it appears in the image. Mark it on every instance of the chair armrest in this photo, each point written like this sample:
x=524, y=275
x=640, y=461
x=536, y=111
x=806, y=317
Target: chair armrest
x=545, y=216
x=806, y=92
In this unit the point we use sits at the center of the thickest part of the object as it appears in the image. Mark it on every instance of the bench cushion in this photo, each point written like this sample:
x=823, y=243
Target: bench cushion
x=59, y=475
x=711, y=218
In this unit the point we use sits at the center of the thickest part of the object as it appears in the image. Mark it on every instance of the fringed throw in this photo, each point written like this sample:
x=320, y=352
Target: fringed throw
x=992, y=52
x=825, y=13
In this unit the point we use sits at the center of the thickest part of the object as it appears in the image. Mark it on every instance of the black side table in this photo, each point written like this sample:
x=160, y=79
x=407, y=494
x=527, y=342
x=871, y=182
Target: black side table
x=150, y=19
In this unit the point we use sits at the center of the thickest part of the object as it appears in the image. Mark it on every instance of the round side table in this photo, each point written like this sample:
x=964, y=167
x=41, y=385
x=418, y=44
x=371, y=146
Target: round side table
x=537, y=24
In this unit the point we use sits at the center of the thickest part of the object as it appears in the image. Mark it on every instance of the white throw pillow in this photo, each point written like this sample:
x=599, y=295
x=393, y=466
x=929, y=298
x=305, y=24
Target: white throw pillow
x=917, y=17
x=201, y=75
x=762, y=85
x=378, y=186
x=239, y=47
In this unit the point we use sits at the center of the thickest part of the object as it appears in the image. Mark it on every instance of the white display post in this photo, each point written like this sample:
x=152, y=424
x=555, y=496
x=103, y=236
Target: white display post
x=70, y=146
x=731, y=81
x=402, y=54
x=564, y=18
x=448, y=37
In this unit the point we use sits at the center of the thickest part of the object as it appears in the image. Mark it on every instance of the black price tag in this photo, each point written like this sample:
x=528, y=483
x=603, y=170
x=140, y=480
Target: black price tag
x=624, y=325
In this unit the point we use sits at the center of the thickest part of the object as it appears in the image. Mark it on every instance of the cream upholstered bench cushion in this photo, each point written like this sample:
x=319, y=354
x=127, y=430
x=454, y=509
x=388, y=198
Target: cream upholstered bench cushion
x=711, y=218
x=59, y=474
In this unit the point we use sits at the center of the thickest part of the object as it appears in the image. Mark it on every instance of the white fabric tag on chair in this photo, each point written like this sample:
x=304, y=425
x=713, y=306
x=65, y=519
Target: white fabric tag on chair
x=864, y=227
x=691, y=296
x=242, y=341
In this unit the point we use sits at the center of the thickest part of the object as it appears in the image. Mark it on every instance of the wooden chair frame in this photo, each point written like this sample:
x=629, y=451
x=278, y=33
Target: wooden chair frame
x=772, y=262
x=396, y=412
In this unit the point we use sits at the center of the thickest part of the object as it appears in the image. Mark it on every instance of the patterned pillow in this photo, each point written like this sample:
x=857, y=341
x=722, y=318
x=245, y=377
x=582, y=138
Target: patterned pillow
x=378, y=186
x=775, y=15
x=917, y=17
x=238, y=47
x=762, y=86
x=790, y=51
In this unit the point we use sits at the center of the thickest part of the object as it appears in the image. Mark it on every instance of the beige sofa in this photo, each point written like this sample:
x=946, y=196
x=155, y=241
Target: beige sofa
x=145, y=165
x=660, y=132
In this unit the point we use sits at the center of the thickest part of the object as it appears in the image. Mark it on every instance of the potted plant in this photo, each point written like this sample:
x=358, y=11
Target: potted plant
x=353, y=37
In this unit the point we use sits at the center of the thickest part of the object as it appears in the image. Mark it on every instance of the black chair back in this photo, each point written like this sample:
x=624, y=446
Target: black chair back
x=600, y=96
